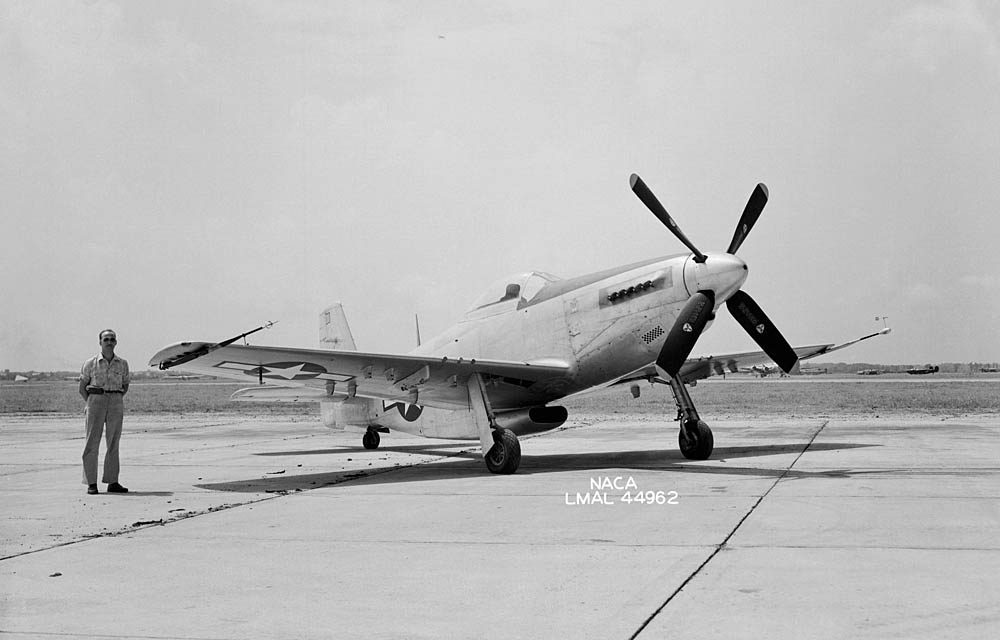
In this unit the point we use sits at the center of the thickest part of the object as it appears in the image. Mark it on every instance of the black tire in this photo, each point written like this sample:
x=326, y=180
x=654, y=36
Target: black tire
x=696, y=441
x=505, y=454
x=370, y=440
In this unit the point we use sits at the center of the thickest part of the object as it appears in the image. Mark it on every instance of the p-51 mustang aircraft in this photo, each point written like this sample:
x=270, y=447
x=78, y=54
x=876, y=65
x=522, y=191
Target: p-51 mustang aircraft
x=529, y=341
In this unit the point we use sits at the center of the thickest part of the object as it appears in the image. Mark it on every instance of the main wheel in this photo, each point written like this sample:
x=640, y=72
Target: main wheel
x=505, y=454
x=370, y=440
x=696, y=440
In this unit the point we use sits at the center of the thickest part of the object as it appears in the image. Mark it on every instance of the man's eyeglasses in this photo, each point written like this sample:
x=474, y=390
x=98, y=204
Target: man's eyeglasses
x=109, y=339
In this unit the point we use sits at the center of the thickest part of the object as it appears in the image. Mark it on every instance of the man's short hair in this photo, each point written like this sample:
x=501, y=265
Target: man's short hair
x=111, y=331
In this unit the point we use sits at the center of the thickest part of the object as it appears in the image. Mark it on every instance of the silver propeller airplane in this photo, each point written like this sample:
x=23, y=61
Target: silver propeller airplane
x=529, y=341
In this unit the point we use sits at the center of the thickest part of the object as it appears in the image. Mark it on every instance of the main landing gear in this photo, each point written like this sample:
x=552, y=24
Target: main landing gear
x=505, y=455
x=501, y=449
x=695, y=438
x=371, y=439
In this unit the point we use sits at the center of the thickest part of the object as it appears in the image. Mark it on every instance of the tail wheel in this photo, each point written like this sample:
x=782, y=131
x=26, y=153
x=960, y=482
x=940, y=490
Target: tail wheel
x=696, y=440
x=505, y=454
x=370, y=440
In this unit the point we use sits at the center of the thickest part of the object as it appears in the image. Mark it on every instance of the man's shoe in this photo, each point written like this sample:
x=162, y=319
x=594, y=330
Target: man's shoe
x=114, y=487
x=92, y=489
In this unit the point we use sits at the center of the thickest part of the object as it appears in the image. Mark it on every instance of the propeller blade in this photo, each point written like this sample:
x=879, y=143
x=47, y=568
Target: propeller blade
x=689, y=324
x=750, y=214
x=762, y=330
x=640, y=189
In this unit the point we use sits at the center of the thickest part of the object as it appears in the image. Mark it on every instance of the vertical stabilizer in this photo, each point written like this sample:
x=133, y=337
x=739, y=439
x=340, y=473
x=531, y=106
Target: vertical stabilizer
x=333, y=330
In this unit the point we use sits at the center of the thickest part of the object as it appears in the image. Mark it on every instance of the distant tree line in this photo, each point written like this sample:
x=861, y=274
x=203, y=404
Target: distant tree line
x=945, y=367
x=7, y=374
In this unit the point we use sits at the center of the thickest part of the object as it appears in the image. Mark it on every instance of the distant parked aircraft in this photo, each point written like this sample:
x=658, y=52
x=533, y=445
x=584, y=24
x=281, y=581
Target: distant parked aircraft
x=920, y=371
x=761, y=370
x=813, y=371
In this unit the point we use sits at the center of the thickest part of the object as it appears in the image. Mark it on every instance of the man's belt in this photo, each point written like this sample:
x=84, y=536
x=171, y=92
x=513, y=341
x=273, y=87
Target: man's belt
x=96, y=391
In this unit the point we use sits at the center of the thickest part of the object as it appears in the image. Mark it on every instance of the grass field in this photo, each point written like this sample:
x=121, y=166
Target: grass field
x=736, y=396
x=146, y=397
x=812, y=396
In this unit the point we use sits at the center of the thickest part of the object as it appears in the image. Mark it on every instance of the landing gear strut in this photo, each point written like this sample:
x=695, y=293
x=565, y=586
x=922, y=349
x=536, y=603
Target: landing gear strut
x=501, y=449
x=371, y=439
x=695, y=438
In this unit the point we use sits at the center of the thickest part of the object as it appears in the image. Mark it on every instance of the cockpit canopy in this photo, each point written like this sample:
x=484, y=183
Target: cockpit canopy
x=520, y=287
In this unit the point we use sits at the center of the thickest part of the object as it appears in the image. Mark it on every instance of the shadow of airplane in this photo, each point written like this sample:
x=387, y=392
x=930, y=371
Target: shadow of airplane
x=429, y=448
x=469, y=464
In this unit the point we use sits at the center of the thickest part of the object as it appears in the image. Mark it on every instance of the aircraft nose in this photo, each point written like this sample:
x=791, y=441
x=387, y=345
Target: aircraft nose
x=721, y=273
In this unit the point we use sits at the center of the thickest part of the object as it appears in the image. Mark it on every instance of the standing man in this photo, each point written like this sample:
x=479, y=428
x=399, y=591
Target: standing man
x=103, y=383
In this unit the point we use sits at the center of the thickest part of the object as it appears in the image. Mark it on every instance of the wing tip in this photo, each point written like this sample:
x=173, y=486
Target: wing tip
x=178, y=353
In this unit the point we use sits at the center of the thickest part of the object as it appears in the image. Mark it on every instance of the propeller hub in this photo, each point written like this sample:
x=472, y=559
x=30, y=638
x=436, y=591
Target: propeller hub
x=721, y=273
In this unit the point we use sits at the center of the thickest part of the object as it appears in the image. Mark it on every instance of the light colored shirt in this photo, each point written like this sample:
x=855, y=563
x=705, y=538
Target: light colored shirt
x=98, y=372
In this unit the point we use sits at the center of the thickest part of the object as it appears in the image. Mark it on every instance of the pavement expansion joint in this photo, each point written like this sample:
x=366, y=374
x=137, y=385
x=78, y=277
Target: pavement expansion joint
x=719, y=547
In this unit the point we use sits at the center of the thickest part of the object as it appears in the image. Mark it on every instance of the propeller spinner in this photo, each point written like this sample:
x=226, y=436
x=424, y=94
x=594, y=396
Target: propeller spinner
x=699, y=308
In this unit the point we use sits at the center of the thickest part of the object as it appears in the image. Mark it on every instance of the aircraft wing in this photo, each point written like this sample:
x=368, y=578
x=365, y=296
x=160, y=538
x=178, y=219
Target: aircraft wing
x=427, y=380
x=703, y=367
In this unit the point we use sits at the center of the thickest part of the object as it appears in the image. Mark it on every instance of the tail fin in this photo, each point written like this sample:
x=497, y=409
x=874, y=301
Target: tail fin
x=333, y=330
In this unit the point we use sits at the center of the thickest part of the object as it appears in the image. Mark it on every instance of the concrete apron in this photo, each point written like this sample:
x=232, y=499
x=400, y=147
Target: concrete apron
x=242, y=528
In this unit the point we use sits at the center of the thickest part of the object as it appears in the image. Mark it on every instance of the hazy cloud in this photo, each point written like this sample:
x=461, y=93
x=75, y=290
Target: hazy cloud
x=930, y=35
x=983, y=281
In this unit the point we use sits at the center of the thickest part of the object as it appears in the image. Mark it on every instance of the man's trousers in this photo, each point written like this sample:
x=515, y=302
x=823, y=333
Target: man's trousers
x=104, y=414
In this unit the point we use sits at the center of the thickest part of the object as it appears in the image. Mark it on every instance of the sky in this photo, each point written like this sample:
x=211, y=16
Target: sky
x=190, y=170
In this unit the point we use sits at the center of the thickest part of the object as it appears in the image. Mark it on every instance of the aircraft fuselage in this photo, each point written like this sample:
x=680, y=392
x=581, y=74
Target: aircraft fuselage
x=604, y=324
